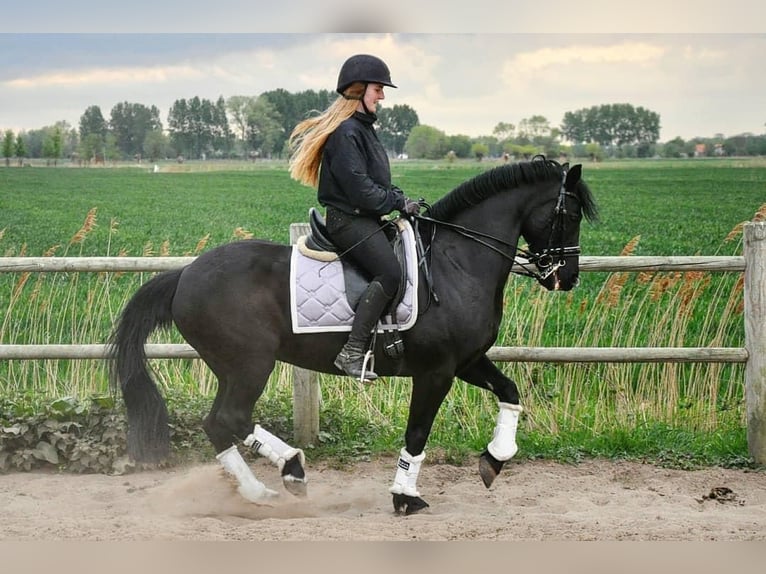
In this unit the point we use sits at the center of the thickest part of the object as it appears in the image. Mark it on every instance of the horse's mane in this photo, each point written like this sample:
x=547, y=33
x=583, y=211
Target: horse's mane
x=502, y=178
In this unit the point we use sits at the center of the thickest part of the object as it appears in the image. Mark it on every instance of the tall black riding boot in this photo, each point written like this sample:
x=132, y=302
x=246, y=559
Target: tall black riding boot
x=350, y=360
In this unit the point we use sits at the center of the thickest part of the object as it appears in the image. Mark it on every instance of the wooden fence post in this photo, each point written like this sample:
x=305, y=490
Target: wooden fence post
x=755, y=338
x=305, y=384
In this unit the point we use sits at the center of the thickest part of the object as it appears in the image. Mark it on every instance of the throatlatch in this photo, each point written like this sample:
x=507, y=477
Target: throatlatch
x=503, y=445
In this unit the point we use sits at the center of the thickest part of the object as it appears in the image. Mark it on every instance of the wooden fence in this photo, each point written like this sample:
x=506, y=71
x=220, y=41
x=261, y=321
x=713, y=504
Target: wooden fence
x=305, y=388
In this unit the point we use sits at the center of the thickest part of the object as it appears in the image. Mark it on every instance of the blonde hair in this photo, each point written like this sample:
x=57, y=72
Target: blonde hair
x=309, y=136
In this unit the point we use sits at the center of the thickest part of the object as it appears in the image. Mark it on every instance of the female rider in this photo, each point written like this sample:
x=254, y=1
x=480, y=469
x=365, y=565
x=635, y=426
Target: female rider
x=339, y=152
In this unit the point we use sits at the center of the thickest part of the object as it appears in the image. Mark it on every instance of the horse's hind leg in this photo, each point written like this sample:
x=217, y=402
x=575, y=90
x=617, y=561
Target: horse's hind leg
x=232, y=409
x=484, y=374
x=289, y=460
x=231, y=418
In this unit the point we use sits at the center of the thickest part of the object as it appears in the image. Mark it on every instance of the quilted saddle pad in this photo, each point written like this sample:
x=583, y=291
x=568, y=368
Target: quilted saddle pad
x=318, y=301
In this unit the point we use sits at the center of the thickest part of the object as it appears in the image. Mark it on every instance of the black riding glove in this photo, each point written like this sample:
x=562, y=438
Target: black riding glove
x=410, y=207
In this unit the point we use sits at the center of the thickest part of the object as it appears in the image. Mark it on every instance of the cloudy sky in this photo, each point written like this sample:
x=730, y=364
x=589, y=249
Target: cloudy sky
x=703, y=76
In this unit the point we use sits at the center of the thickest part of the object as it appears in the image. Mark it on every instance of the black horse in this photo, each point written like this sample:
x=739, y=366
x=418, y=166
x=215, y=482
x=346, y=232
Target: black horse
x=232, y=305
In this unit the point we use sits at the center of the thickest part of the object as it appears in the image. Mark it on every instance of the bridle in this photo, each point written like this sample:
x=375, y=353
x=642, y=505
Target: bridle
x=547, y=261
x=551, y=259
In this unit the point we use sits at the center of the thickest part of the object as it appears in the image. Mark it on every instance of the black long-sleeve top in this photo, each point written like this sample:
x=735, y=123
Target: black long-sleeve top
x=355, y=175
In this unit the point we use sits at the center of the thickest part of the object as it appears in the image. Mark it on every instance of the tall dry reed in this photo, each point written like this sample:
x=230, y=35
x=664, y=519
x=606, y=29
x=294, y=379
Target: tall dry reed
x=630, y=309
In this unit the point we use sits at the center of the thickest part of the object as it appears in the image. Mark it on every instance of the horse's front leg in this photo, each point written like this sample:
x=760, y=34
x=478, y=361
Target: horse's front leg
x=428, y=393
x=484, y=374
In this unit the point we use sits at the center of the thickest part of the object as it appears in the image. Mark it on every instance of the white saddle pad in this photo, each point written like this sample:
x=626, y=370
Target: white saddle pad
x=318, y=301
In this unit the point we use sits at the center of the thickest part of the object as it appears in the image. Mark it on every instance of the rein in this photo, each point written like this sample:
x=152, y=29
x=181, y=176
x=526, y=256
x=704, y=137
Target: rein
x=546, y=262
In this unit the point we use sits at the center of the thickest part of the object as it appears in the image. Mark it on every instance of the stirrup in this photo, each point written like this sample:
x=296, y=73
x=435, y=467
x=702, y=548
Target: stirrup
x=369, y=359
x=358, y=365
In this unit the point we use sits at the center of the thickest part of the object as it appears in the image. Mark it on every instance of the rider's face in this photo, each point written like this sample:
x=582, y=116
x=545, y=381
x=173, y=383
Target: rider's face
x=373, y=95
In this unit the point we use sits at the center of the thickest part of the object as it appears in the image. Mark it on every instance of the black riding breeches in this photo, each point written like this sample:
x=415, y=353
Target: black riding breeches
x=363, y=241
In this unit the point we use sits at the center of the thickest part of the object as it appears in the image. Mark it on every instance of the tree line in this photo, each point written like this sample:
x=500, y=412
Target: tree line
x=259, y=127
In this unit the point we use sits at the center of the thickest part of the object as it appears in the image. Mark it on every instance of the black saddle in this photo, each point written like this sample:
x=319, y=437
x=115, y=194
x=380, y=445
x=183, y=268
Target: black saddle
x=319, y=239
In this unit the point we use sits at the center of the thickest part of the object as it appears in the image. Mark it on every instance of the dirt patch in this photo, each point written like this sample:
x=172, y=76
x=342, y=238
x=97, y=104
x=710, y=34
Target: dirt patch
x=531, y=500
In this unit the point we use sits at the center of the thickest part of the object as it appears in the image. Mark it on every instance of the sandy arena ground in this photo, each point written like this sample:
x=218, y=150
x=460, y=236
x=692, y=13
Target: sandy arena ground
x=530, y=501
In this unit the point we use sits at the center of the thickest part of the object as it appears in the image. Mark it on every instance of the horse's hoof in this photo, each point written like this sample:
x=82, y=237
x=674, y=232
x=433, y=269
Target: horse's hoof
x=489, y=468
x=262, y=497
x=295, y=486
x=294, y=477
x=404, y=504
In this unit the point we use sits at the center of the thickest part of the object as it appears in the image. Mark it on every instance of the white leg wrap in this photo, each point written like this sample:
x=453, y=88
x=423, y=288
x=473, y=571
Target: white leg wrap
x=407, y=470
x=272, y=447
x=250, y=487
x=503, y=445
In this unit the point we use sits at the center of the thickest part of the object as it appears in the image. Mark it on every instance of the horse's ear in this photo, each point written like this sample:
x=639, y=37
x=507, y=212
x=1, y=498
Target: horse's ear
x=573, y=176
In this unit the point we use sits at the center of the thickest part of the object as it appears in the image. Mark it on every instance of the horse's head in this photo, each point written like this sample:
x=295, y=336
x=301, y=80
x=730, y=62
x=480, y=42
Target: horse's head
x=552, y=232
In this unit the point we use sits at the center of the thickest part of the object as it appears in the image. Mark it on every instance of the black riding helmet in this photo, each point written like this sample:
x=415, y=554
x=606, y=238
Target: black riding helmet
x=363, y=68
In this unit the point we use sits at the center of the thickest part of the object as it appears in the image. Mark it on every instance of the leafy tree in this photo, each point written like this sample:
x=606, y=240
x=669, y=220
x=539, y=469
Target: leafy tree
x=534, y=128
x=223, y=138
x=8, y=146
x=745, y=144
x=37, y=141
x=91, y=147
x=20, y=150
x=426, y=142
x=594, y=151
x=130, y=123
x=52, y=145
x=199, y=127
x=480, y=150
x=93, y=130
x=494, y=147
x=460, y=144
x=179, y=127
x=156, y=145
x=395, y=125
x=673, y=148
x=237, y=107
x=294, y=108
x=536, y=132
x=504, y=131
x=525, y=151
x=263, y=127
x=92, y=122
x=34, y=140
x=612, y=125
x=111, y=149
x=186, y=127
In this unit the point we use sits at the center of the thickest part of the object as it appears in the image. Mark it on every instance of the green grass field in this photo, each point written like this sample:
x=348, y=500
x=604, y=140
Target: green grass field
x=684, y=207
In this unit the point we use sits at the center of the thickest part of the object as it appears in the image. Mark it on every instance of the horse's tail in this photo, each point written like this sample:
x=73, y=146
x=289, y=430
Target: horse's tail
x=148, y=310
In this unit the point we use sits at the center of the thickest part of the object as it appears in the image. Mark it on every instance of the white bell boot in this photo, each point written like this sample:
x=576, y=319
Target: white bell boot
x=407, y=471
x=249, y=487
x=273, y=447
x=503, y=445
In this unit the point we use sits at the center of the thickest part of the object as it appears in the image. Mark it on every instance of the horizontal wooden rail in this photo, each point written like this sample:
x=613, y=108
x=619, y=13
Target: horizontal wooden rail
x=95, y=264
x=618, y=354
x=91, y=351
x=503, y=354
x=126, y=264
